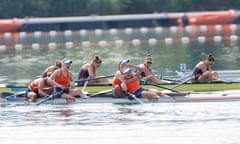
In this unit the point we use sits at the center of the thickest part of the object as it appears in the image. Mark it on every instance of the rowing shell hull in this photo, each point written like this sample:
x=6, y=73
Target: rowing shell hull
x=174, y=98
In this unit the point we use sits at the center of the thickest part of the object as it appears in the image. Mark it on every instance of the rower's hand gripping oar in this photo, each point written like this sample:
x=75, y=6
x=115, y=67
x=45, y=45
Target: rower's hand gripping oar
x=135, y=98
x=45, y=100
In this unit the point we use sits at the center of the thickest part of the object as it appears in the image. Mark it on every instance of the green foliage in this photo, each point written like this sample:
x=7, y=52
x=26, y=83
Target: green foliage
x=50, y=8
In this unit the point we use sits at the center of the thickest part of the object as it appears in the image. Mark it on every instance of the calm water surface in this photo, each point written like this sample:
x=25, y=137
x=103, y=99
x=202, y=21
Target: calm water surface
x=215, y=123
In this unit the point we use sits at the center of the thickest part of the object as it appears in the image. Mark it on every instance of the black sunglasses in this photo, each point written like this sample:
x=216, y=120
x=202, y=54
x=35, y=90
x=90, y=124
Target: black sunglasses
x=149, y=62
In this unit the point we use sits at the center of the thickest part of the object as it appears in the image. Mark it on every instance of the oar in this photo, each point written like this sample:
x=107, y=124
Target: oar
x=8, y=95
x=157, y=85
x=45, y=100
x=182, y=83
x=88, y=79
x=84, y=87
x=101, y=92
x=172, y=88
x=135, y=98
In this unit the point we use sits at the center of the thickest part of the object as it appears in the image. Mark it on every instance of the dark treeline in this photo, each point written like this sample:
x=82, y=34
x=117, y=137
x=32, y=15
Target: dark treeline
x=58, y=8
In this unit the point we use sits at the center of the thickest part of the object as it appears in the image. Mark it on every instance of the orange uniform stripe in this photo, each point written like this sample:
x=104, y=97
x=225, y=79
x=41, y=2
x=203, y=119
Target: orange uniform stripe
x=133, y=86
x=63, y=79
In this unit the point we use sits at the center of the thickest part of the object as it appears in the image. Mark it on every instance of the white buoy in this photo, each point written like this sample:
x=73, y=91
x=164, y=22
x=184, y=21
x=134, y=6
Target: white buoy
x=7, y=35
x=218, y=28
x=201, y=39
x=168, y=40
x=173, y=29
x=35, y=46
x=22, y=34
x=203, y=28
x=185, y=40
x=52, y=46
x=52, y=33
x=113, y=31
x=18, y=47
x=69, y=45
x=2, y=48
x=152, y=41
x=158, y=30
x=98, y=32
x=144, y=30
x=102, y=43
x=68, y=33
x=233, y=38
x=217, y=39
x=128, y=31
x=136, y=42
x=86, y=44
x=37, y=34
x=188, y=29
x=119, y=42
x=83, y=33
x=233, y=27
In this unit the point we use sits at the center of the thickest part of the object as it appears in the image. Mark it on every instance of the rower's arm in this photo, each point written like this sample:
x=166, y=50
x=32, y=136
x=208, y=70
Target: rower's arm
x=71, y=83
x=51, y=80
x=134, y=78
x=41, y=87
x=92, y=74
x=123, y=83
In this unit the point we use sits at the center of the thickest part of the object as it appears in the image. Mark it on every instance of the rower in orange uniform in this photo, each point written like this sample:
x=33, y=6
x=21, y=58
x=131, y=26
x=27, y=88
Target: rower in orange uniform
x=62, y=79
x=118, y=83
x=134, y=87
x=39, y=88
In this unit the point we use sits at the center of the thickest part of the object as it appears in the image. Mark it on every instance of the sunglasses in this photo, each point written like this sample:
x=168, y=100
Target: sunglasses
x=127, y=72
x=98, y=61
x=149, y=62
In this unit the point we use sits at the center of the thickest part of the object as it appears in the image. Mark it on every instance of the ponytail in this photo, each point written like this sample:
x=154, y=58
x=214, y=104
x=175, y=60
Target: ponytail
x=210, y=57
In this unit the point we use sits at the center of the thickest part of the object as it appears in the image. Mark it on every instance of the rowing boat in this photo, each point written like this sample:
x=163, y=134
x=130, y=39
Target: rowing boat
x=185, y=97
x=8, y=94
x=208, y=86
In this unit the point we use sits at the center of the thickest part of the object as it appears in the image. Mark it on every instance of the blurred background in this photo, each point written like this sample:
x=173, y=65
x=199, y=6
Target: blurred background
x=34, y=33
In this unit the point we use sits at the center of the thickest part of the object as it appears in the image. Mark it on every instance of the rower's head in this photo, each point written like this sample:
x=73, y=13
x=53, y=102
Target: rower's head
x=148, y=60
x=97, y=61
x=210, y=59
x=49, y=73
x=123, y=64
x=66, y=62
x=58, y=63
x=127, y=73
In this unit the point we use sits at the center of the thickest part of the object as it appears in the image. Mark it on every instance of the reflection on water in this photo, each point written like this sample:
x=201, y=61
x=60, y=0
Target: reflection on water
x=97, y=123
x=100, y=115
